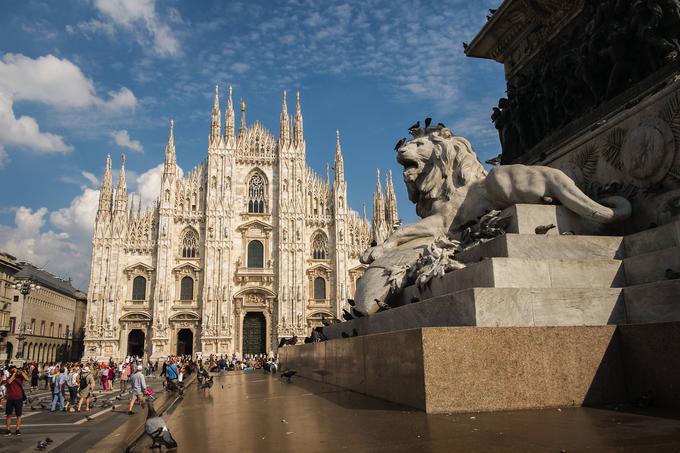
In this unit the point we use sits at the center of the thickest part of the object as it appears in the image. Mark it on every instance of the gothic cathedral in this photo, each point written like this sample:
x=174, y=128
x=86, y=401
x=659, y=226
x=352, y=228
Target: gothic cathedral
x=249, y=247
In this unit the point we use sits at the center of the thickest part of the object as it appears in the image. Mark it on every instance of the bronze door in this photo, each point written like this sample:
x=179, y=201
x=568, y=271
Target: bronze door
x=254, y=334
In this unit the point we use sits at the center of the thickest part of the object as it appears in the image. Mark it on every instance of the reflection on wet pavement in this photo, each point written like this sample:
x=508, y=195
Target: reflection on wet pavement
x=257, y=412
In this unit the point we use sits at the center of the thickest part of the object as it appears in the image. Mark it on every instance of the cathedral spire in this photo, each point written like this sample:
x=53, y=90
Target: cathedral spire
x=170, y=165
x=229, y=118
x=391, y=215
x=339, y=163
x=215, y=127
x=380, y=230
x=106, y=188
x=284, y=134
x=298, y=132
x=121, y=190
x=242, y=127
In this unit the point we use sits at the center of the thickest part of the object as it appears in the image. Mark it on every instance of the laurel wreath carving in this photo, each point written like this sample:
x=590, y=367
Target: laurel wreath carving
x=671, y=114
x=611, y=149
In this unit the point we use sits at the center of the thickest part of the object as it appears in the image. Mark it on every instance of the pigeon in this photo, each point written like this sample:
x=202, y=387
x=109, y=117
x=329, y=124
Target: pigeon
x=492, y=11
x=355, y=333
x=357, y=314
x=399, y=143
x=351, y=302
x=672, y=275
x=208, y=383
x=428, y=121
x=495, y=161
x=465, y=46
x=288, y=374
x=282, y=342
x=88, y=418
x=344, y=335
x=42, y=445
x=347, y=316
x=325, y=322
x=48, y=440
x=156, y=428
x=414, y=126
x=543, y=229
x=382, y=305
x=118, y=397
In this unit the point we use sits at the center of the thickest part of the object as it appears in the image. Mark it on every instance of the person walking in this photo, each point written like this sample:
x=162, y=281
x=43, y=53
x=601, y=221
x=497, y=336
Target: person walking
x=15, y=399
x=137, y=388
x=35, y=374
x=85, y=387
x=72, y=384
x=57, y=389
x=124, y=376
x=104, y=373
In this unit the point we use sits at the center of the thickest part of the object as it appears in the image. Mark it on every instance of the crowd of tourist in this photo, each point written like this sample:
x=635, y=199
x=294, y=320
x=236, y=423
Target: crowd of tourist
x=71, y=385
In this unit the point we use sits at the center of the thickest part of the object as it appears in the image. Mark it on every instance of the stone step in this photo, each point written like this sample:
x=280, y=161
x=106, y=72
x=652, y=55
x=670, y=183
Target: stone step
x=522, y=273
x=546, y=246
x=653, y=302
x=659, y=238
x=493, y=307
x=526, y=217
x=651, y=267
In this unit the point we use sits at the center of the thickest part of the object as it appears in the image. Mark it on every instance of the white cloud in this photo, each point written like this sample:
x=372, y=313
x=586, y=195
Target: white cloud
x=56, y=82
x=91, y=178
x=139, y=17
x=78, y=218
x=148, y=184
x=61, y=240
x=58, y=251
x=240, y=68
x=122, y=138
x=25, y=132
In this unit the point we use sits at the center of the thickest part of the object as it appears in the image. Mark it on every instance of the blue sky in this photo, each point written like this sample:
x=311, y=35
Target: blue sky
x=83, y=78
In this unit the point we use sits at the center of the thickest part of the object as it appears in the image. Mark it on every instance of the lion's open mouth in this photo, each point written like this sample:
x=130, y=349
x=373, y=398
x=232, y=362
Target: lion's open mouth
x=411, y=167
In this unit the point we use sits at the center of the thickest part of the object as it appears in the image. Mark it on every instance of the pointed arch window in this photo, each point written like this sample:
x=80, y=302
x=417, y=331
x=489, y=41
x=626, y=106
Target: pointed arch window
x=139, y=288
x=319, y=289
x=186, y=289
x=189, y=247
x=320, y=247
x=257, y=194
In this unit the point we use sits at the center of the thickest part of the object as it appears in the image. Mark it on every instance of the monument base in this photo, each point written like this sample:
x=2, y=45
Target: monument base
x=468, y=369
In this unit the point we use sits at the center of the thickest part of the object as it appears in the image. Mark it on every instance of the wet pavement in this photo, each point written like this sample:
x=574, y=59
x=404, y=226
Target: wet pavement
x=258, y=412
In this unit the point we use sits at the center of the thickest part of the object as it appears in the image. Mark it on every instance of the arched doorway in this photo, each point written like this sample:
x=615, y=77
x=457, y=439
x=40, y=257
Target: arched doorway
x=254, y=333
x=135, y=343
x=185, y=342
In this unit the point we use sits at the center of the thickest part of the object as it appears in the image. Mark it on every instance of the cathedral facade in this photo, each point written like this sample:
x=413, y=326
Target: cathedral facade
x=249, y=247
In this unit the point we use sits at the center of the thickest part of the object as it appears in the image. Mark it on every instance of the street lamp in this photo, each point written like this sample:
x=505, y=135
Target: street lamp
x=24, y=287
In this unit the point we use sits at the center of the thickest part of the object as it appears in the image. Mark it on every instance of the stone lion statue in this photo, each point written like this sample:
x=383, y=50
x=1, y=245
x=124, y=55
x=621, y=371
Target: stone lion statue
x=451, y=189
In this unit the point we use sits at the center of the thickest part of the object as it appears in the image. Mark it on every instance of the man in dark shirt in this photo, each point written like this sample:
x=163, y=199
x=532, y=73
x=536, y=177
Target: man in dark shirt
x=15, y=398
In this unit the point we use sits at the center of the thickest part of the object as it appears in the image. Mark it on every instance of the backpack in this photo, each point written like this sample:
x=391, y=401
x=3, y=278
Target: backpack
x=83, y=382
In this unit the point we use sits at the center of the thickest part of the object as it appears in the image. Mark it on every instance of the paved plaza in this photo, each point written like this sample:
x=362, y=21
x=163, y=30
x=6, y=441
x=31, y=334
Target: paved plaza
x=259, y=412
x=70, y=431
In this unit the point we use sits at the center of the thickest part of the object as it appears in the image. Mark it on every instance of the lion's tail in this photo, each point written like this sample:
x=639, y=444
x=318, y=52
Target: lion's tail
x=610, y=209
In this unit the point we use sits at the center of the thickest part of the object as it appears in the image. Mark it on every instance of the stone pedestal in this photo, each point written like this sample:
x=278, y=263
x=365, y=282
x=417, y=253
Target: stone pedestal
x=459, y=369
